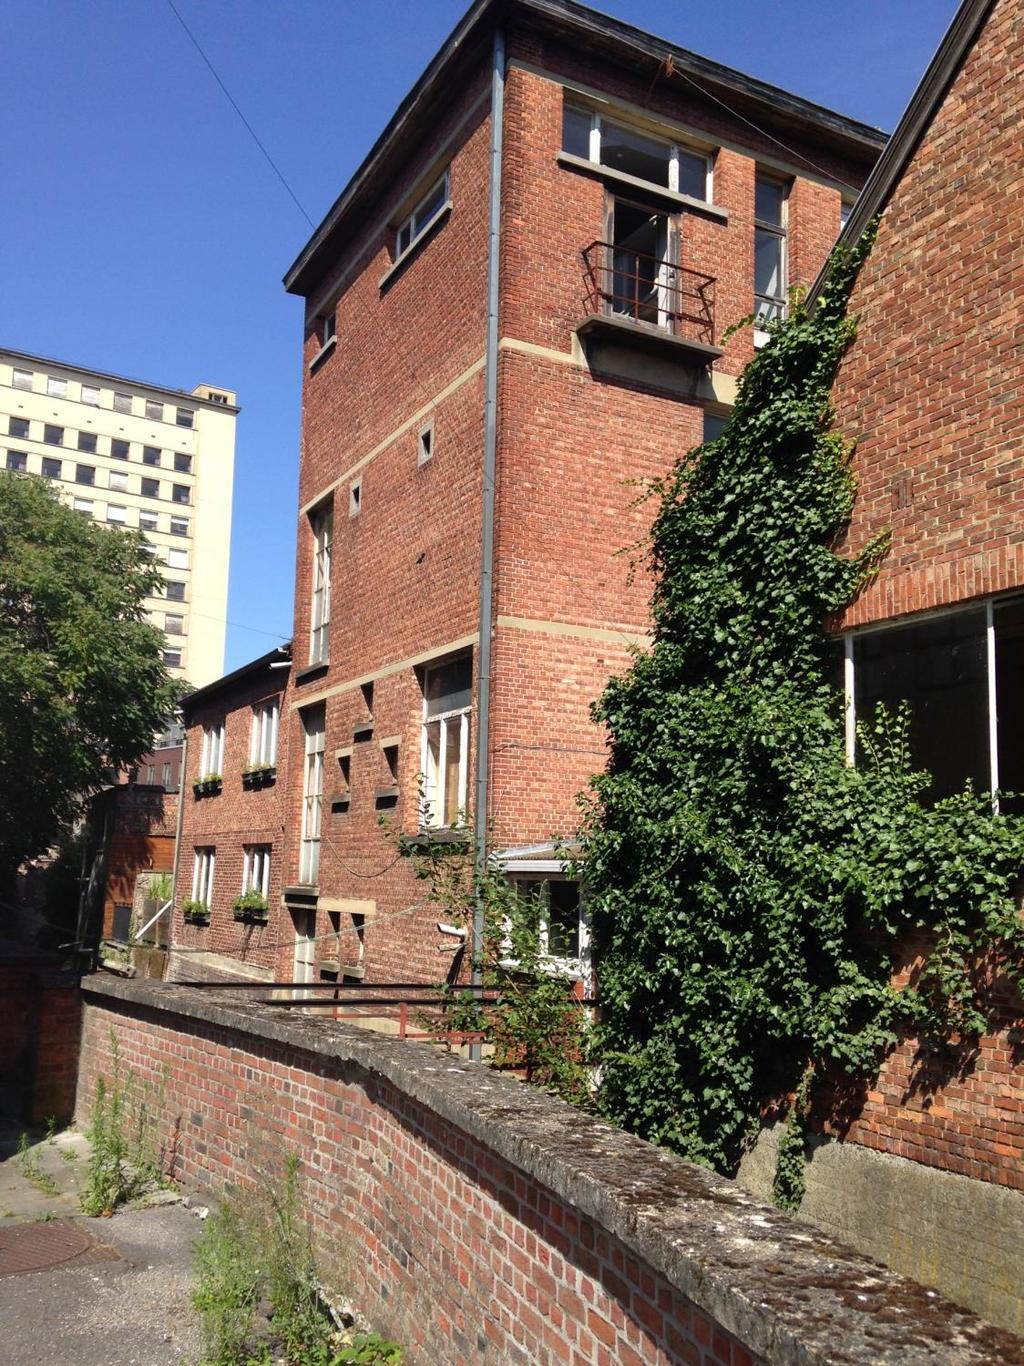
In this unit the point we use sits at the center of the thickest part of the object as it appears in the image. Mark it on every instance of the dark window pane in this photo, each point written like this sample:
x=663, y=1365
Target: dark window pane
x=624, y=150
x=53, y=436
x=85, y=474
x=693, y=175
x=563, y=919
x=767, y=264
x=940, y=668
x=182, y=462
x=87, y=442
x=150, y=488
x=18, y=426
x=51, y=468
x=769, y=198
x=17, y=461
x=151, y=455
x=1009, y=626
x=576, y=131
x=714, y=426
x=449, y=687
x=119, y=449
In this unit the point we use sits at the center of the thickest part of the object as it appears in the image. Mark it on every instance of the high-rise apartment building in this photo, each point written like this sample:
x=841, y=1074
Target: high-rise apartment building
x=140, y=456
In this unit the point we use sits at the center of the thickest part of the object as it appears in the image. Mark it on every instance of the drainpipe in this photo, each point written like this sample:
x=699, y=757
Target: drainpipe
x=177, y=839
x=483, y=719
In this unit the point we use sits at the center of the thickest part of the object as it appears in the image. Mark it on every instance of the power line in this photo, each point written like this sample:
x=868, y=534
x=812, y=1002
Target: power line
x=234, y=105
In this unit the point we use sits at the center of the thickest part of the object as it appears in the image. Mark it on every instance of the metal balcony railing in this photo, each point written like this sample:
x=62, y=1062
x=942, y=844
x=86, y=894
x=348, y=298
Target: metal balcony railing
x=649, y=289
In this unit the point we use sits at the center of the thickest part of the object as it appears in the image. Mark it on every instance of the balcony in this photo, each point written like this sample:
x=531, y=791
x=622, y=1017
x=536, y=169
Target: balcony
x=648, y=303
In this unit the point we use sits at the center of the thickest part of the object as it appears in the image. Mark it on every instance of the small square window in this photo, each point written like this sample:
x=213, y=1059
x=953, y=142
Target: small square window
x=53, y=436
x=56, y=387
x=185, y=417
x=117, y=514
x=327, y=327
x=174, y=624
x=85, y=474
x=18, y=426
x=151, y=455
x=172, y=659
x=154, y=410
x=714, y=425
x=119, y=449
x=182, y=462
x=425, y=444
x=177, y=559
x=87, y=442
x=21, y=379
x=17, y=461
x=83, y=505
x=150, y=488
x=122, y=403
x=148, y=521
x=117, y=479
x=175, y=590
x=180, y=493
x=179, y=526
x=90, y=395
x=355, y=497
x=51, y=468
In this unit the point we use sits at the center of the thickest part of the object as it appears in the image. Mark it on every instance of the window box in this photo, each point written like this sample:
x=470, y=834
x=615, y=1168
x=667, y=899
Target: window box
x=439, y=840
x=208, y=786
x=196, y=913
x=259, y=775
x=251, y=908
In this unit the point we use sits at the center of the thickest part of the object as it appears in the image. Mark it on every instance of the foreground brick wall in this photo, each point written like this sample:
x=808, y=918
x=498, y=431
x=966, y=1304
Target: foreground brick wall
x=40, y=1016
x=479, y=1221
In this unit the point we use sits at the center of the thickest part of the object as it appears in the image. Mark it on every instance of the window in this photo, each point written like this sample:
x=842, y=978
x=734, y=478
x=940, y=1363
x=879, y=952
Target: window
x=17, y=461
x=556, y=910
x=148, y=521
x=423, y=216
x=119, y=449
x=202, y=875
x=53, y=436
x=122, y=403
x=714, y=425
x=590, y=136
x=182, y=462
x=184, y=417
x=56, y=387
x=85, y=474
x=355, y=497
x=154, y=410
x=52, y=469
x=327, y=327
x=845, y=209
x=770, y=205
x=150, y=488
x=174, y=624
x=180, y=493
x=320, y=619
x=117, y=480
x=447, y=698
x=313, y=721
x=165, y=779
x=179, y=526
x=82, y=505
x=117, y=514
x=18, y=426
x=90, y=395
x=151, y=455
x=425, y=444
x=172, y=659
x=177, y=559
x=174, y=590
x=638, y=282
x=256, y=869
x=263, y=735
x=211, y=759
x=21, y=379
x=151, y=773
x=87, y=442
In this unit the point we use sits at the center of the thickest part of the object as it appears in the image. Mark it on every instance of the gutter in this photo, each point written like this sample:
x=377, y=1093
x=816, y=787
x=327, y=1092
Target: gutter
x=182, y=768
x=491, y=361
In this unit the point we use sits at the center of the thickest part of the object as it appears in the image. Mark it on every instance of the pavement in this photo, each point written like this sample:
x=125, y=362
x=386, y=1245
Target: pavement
x=120, y=1296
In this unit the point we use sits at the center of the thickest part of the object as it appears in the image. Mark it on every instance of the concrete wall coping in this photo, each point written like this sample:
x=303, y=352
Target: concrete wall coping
x=788, y=1292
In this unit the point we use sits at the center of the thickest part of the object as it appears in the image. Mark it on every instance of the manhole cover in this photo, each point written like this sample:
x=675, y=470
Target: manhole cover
x=40, y=1247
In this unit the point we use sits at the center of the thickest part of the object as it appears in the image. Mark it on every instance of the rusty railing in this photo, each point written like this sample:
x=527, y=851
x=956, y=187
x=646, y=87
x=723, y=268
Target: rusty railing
x=650, y=289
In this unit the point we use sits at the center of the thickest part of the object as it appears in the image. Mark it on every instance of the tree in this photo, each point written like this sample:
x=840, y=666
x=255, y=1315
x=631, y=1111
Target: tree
x=83, y=687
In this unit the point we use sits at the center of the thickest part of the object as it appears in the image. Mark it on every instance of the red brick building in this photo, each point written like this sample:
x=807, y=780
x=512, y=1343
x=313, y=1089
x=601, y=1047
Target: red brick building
x=515, y=311
x=227, y=904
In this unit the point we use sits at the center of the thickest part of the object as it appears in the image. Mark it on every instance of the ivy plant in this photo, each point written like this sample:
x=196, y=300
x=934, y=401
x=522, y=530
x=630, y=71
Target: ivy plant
x=752, y=894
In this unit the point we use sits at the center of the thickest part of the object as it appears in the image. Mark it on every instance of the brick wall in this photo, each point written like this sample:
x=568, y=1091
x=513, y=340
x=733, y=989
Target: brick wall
x=479, y=1221
x=40, y=1017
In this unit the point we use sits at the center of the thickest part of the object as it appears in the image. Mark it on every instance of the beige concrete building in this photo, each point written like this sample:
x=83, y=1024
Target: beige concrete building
x=140, y=456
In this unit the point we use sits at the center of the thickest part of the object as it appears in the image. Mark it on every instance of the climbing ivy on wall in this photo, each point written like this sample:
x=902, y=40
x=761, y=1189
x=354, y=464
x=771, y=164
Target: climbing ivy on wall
x=750, y=892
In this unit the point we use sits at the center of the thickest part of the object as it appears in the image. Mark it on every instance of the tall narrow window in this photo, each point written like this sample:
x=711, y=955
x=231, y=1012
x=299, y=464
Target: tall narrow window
x=263, y=736
x=320, y=618
x=770, y=214
x=212, y=757
x=256, y=869
x=313, y=721
x=447, y=701
x=202, y=875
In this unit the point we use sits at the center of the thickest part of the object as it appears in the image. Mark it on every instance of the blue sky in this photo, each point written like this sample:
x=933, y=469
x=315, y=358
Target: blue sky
x=143, y=233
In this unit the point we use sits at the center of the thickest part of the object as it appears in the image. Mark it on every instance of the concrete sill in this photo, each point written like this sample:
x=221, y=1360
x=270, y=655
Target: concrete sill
x=322, y=354
x=416, y=247
x=362, y=733
x=646, y=337
x=311, y=671
x=300, y=895
x=648, y=188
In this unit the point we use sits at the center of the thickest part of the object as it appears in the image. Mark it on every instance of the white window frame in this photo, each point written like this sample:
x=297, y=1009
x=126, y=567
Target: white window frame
x=122, y=402
x=552, y=870
x=169, y=659
x=434, y=780
x=412, y=226
x=90, y=395
x=117, y=480
x=203, y=869
x=675, y=147
x=177, y=559
x=211, y=759
x=256, y=869
x=84, y=505
x=19, y=378
x=322, y=524
x=158, y=415
x=780, y=231
x=185, y=417
x=56, y=387
x=117, y=514
x=314, y=724
x=263, y=734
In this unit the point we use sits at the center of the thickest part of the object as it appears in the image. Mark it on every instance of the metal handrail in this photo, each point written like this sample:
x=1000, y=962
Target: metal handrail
x=650, y=289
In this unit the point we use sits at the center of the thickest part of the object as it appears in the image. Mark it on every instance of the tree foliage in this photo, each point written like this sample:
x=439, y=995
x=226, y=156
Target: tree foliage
x=750, y=891
x=83, y=687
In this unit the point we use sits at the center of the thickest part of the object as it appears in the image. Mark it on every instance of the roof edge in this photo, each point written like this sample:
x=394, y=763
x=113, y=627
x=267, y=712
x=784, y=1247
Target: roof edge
x=254, y=667
x=53, y=362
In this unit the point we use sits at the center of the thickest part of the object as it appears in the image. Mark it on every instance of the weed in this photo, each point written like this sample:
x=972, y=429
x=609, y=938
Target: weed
x=28, y=1163
x=123, y=1162
x=51, y=1129
x=69, y=1155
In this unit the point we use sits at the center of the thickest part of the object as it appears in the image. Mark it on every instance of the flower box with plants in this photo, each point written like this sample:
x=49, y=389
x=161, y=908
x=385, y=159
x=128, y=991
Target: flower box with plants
x=207, y=785
x=196, y=913
x=251, y=907
x=258, y=775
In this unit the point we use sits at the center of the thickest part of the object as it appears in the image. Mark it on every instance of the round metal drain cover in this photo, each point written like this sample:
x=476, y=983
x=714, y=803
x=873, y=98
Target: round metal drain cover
x=37, y=1247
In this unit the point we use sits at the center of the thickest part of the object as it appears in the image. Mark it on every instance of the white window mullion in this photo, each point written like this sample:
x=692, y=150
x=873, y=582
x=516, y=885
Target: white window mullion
x=195, y=876
x=595, y=138
x=850, y=710
x=673, y=169
x=442, y=773
x=464, y=760
x=265, y=879
x=993, y=719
